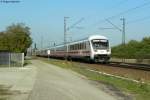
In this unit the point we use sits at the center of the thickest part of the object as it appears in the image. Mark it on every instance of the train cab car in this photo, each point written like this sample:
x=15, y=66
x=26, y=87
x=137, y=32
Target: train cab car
x=93, y=48
x=100, y=48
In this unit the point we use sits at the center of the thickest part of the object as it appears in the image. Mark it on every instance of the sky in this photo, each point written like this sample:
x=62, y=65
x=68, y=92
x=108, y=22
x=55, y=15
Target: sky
x=46, y=19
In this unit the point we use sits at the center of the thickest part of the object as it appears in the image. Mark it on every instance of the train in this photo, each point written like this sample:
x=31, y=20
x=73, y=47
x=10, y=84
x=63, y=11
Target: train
x=94, y=48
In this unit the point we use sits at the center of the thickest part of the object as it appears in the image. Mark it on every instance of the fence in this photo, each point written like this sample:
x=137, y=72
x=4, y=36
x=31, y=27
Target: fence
x=11, y=59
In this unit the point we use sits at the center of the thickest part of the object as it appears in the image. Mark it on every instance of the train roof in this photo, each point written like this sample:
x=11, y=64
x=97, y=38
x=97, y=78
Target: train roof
x=85, y=39
x=89, y=38
x=96, y=37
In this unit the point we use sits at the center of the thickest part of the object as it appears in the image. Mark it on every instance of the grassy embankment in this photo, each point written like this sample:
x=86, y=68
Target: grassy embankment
x=141, y=91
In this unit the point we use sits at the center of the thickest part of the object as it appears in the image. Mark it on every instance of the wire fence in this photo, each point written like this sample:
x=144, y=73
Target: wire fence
x=11, y=59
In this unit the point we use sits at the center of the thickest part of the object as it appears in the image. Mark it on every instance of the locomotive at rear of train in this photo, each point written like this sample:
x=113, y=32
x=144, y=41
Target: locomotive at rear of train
x=94, y=48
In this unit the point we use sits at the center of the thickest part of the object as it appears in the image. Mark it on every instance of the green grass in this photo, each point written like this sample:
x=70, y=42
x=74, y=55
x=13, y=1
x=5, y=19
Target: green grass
x=140, y=91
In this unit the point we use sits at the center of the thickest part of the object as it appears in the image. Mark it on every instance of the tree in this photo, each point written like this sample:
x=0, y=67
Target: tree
x=3, y=41
x=16, y=38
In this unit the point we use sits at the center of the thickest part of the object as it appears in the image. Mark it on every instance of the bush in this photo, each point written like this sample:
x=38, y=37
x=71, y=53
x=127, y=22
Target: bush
x=133, y=50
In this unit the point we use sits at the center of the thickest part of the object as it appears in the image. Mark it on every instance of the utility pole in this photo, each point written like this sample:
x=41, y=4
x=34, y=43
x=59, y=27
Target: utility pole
x=35, y=49
x=65, y=34
x=123, y=35
x=123, y=31
x=41, y=42
x=67, y=29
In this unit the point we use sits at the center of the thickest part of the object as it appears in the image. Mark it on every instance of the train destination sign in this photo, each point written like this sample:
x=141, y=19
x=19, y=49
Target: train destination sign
x=99, y=40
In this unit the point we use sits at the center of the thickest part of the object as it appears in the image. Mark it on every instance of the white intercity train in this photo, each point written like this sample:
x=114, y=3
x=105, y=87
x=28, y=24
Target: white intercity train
x=95, y=48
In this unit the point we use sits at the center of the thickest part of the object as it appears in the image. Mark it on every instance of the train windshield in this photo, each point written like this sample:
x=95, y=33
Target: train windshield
x=100, y=44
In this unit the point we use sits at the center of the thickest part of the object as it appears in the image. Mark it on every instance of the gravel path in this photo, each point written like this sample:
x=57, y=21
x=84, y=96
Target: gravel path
x=54, y=83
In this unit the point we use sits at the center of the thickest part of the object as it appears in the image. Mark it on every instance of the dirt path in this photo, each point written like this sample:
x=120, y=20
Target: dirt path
x=54, y=83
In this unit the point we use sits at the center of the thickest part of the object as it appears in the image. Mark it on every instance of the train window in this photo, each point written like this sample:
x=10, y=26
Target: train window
x=100, y=44
x=73, y=47
x=87, y=44
x=69, y=47
x=84, y=45
x=79, y=46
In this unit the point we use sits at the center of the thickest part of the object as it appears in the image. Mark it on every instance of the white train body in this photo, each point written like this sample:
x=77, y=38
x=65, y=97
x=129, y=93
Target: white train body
x=94, y=48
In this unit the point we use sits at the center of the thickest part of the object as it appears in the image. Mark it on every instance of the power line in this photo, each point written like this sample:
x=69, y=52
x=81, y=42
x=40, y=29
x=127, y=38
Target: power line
x=118, y=28
x=124, y=12
x=127, y=11
x=120, y=3
x=139, y=20
x=113, y=25
x=72, y=26
x=103, y=28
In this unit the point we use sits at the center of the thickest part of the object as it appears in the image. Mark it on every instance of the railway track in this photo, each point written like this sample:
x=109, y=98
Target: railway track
x=145, y=67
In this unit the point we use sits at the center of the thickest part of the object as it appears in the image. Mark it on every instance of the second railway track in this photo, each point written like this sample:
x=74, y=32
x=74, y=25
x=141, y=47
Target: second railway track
x=129, y=65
